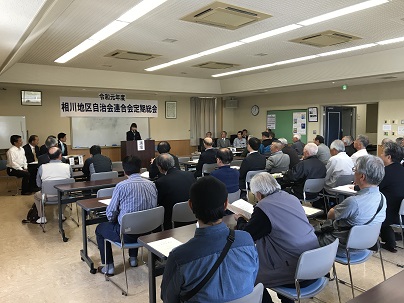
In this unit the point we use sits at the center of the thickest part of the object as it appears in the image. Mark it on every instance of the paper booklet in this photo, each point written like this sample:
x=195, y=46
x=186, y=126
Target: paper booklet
x=241, y=207
x=145, y=174
x=105, y=201
x=310, y=211
x=165, y=246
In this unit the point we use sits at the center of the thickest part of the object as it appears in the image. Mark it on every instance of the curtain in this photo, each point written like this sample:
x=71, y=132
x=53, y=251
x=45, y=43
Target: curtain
x=203, y=118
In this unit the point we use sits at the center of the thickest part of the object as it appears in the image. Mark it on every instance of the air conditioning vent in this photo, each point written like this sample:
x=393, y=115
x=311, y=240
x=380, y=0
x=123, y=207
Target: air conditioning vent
x=231, y=103
x=128, y=55
x=215, y=65
x=223, y=15
x=327, y=38
x=388, y=77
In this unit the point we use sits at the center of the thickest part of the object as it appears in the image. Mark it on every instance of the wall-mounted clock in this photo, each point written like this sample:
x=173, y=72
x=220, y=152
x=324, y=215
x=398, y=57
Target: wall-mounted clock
x=255, y=110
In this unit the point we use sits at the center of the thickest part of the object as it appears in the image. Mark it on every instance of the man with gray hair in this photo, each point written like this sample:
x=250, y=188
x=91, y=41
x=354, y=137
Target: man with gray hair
x=51, y=141
x=368, y=206
x=288, y=150
x=297, y=144
x=349, y=145
x=339, y=164
x=309, y=168
x=277, y=162
x=281, y=230
x=360, y=144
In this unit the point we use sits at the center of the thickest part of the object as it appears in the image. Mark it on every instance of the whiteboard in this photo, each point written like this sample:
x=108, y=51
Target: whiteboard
x=12, y=125
x=104, y=131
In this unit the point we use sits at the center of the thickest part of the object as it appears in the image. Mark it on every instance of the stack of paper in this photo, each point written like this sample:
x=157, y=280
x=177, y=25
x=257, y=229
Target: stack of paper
x=241, y=207
x=194, y=161
x=105, y=201
x=345, y=188
x=165, y=246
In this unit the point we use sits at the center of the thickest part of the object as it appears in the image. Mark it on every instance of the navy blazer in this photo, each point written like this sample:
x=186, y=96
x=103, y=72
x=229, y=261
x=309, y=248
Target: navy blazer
x=254, y=161
x=206, y=157
x=229, y=176
x=28, y=153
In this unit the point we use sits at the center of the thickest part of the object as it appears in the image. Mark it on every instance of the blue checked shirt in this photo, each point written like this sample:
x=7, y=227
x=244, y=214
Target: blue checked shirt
x=131, y=195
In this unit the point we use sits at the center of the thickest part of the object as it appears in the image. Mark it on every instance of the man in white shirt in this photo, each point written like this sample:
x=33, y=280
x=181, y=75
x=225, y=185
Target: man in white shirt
x=54, y=170
x=339, y=164
x=360, y=144
x=17, y=163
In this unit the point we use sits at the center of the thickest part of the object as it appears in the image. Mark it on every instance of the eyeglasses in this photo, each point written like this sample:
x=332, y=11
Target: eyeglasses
x=354, y=169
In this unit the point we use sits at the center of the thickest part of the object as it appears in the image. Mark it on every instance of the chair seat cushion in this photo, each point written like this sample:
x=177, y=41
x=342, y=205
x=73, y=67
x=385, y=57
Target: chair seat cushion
x=305, y=292
x=356, y=257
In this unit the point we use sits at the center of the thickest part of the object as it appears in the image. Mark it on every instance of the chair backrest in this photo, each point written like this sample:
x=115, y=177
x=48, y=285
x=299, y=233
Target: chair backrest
x=117, y=166
x=401, y=210
x=143, y=221
x=105, y=192
x=254, y=297
x=363, y=236
x=104, y=175
x=182, y=213
x=236, y=163
x=48, y=186
x=316, y=263
x=3, y=165
x=314, y=185
x=344, y=180
x=208, y=168
x=233, y=196
x=250, y=175
x=183, y=159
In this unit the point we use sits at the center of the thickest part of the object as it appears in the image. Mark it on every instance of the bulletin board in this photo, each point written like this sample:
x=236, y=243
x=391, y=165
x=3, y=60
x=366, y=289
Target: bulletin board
x=285, y=123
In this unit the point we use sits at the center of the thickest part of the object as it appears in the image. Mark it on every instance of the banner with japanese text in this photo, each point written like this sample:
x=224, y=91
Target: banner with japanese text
x=107, y=106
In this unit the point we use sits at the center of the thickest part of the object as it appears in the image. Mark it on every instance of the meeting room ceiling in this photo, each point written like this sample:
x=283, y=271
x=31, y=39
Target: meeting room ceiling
x=40, y=31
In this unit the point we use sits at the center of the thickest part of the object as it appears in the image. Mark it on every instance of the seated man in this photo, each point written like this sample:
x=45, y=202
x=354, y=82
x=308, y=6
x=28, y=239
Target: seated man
x=277, y=162
x=267, y=139
x=97, y=163
x=360, y=145
x=51, y=141
x=223, y=141
x=349, y=145
x=339, y=164
x=172, y=187
x=391, y=187
x=208, y=156
x=368, y=206
x=240, y=142
x=131, y=195
x=163, y=147
x=189, y=263
x=309, y=168
x=253, y=161
x=288, y=150
x=31, y=154
x=17, y=163
x=297, y=144
x=323, y=153
x=54, y=170
x=281, y=231
x=62, y=145
x=229, y=176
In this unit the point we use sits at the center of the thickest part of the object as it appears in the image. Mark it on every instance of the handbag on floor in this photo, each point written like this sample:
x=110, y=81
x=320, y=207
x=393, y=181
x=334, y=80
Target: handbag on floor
x=32, y=215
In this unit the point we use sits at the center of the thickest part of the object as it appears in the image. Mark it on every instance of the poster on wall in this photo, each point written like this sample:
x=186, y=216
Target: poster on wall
x=271, y=121
x=299, y=123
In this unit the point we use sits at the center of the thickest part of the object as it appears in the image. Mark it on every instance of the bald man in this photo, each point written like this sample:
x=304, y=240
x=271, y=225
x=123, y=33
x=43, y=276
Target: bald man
x=208, y=156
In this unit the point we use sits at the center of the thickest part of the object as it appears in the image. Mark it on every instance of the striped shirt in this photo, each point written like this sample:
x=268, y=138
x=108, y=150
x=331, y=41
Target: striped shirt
x=131, y=195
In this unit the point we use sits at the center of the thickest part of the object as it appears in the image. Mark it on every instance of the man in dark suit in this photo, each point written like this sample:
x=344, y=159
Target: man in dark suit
x=61, y=144
x=32, y=154
x=163, y=147
x=293, y=156
x=253, y=161
x=32, y=149
x=172, y=187
x=349, y=145
x=208, y=156
x=133, y=134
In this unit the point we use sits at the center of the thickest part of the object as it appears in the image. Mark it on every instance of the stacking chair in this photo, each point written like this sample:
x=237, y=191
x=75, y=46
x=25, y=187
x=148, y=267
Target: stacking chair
x=400, y=226
x=136, y=223
x=50, y=195
x=248, y=178
x=233, y=196
x=208, y=168
x=254, y=297
x=314, y=186
x=104, y=175
x=117, y=166
x=312, y=265
x=182, y=213
x=3, y=167
x=361, y=237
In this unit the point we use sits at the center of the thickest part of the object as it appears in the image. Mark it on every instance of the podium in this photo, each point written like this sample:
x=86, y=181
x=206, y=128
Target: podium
x=129, y=148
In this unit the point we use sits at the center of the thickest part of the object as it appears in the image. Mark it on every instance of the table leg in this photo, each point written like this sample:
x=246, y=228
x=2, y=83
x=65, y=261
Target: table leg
x=62, y=232
x=84, y=252
x=151, y=263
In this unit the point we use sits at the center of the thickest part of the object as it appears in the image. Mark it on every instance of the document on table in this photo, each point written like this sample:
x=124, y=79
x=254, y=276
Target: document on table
x=241, y=207
x=194, y=161
x=310, y=211
x=165, y=246
x=345, y=188
x=105, y=201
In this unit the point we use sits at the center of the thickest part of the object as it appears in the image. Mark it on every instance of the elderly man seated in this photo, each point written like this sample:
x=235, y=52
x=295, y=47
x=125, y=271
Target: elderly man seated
x=339, y=164
x=281, y=231
x=367, y=207
x=277, y=162
x=229, y=176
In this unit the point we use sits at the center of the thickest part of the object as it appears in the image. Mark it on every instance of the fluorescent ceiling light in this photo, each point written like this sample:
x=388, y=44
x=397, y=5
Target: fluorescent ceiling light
x=82, y=47
x=272, y=33
x=220, y=48
x=140, y=10
x=345, y=50
x=180, y=60
x=390, y=41
x=131, y=15
x=296, y=60
x=343, y=11
x=109, y=30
